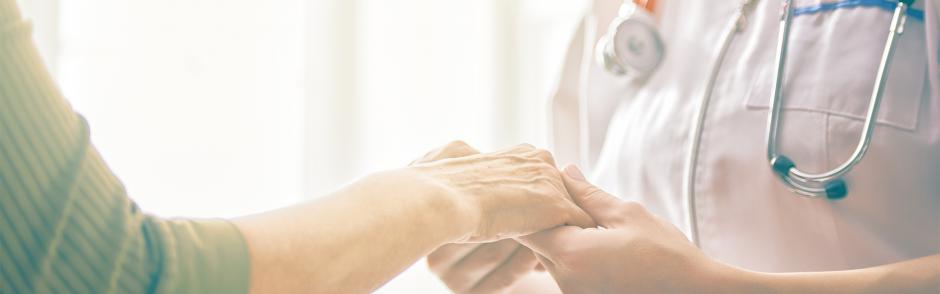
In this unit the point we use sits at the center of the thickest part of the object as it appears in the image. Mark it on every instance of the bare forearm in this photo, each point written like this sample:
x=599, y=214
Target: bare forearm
x=360, y=237
x=914, y=276
x=351, y=241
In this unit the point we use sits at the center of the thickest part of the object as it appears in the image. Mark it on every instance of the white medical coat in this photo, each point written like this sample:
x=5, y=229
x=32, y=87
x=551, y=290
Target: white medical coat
x=634, y=134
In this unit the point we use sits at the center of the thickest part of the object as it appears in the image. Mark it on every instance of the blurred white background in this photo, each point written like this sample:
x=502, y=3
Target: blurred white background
x=220, y=108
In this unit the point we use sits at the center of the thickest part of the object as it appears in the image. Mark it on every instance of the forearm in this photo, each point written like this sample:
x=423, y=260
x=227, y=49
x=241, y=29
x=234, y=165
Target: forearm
x=914, y=276
x=353, y=240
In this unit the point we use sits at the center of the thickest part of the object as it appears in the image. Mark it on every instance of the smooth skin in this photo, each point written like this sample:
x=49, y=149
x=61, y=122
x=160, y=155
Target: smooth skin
x=356, y=239
x=634, y=251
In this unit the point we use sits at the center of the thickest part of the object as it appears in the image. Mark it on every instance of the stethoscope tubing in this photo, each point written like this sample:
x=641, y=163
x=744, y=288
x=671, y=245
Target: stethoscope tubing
x=829, y=183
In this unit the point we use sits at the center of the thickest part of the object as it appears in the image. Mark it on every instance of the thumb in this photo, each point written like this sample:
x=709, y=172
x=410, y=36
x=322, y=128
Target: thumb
x=600, y=205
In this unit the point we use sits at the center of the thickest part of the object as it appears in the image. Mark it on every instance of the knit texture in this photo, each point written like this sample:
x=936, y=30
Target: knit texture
x=66, y=223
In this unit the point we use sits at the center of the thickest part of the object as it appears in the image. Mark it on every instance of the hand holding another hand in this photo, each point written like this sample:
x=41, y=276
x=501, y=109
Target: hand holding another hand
x=504, y=194
x=632, y=251
x=477, y=267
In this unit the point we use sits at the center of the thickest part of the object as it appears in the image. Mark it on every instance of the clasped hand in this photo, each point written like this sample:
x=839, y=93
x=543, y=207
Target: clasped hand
x=612, y=247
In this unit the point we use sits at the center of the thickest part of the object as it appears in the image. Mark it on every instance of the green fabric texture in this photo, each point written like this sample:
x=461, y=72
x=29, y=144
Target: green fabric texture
x=66, y=223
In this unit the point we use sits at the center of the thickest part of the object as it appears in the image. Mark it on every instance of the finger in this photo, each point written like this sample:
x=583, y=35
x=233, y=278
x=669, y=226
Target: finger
x=471, y=269
x=544, y=155
x=544, y=263
x=521, y=263
x=549, y=243
x=600, y=205
x=575, y=216
x=446, y=256
x=580, y=218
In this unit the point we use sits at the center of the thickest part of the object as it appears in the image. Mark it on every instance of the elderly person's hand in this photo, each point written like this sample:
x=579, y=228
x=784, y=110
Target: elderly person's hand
x=363, y=234
x=477, y=267
x=504, y=194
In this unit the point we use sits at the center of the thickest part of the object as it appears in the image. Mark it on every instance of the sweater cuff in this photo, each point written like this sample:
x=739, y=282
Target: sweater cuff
x=206, y=256
x=9, y=12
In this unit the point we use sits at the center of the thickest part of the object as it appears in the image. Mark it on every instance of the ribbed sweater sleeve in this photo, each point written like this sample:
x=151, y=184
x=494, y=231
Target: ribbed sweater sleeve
x=66, y=223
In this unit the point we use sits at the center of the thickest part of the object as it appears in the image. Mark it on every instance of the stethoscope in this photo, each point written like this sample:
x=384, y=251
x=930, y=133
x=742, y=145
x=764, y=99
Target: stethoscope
x=633, y=47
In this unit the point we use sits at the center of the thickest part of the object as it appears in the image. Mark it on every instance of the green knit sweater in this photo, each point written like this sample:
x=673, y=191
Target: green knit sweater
x=66, y=223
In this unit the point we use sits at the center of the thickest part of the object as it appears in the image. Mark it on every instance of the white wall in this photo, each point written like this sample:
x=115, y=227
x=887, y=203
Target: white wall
x=197, y=105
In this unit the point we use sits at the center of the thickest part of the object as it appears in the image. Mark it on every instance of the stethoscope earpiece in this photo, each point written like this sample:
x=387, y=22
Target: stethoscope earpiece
x=837, y=190
x=834, y=190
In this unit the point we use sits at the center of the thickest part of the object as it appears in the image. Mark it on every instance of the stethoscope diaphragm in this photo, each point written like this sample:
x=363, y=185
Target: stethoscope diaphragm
x=632, y=45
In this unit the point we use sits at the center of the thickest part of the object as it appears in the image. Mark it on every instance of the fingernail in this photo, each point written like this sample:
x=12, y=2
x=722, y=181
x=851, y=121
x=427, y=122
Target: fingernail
x=574, y=172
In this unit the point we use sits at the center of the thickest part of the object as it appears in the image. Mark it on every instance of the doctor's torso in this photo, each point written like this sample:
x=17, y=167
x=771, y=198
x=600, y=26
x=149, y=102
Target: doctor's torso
x=635, y=134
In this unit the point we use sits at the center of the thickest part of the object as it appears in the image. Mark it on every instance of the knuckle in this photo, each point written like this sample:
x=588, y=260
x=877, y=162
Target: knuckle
x=452, y=149
x=456, y=144
x=544, y=155
x=457, y=147
x=525, y=146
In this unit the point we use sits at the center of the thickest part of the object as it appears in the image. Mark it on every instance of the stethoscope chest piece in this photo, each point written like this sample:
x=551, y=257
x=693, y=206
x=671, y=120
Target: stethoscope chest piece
x=632, y=44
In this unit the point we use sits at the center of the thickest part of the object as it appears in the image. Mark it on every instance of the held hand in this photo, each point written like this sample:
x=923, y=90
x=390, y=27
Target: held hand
x=477, y=267
x=634, y=251
x=482, y=268
x=504, y=194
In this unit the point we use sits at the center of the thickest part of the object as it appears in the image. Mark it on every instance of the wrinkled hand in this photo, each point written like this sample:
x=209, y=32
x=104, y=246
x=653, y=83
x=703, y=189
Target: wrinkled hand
x=477, y=268
x=504, y=194
x=633, y=250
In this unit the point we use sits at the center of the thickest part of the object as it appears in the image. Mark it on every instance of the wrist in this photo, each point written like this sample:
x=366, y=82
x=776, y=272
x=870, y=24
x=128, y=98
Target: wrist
x=442, y=209
x=718, y=277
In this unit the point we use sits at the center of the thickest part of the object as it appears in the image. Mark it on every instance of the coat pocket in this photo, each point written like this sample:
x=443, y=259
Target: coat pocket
x=832, y=65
